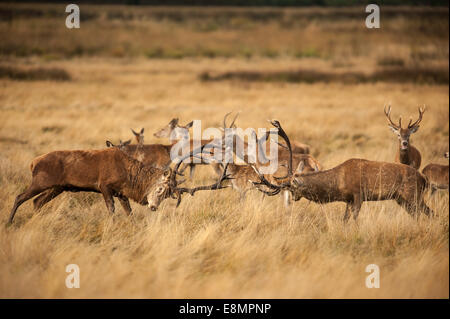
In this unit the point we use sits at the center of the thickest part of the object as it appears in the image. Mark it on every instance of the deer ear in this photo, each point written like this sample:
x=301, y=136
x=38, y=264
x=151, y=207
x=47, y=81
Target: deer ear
x=109, y=144
x=173, y=122
x=414, y=129
x=393, y=129
x=142, y=131
x=167, y=174
x=134, y=132
x=300, y=167
x=189, y=125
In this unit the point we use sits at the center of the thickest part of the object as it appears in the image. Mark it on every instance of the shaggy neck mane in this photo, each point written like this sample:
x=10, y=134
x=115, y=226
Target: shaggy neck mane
x=140, y=178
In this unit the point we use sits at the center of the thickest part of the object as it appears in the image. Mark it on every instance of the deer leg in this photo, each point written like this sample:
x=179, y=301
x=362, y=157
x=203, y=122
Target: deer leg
x=45, y=197
x=356, y=207
x=262, y=197
x=433, y=190
x=425, y=209
x=287, y=199
x=347, y=213
x=108, y=197
x=409, y=205
x=191, y=170
x=20, y=199
x=242, y=195
x=125, y=205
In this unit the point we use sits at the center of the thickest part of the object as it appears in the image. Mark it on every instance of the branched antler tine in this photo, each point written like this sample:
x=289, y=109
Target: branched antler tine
x=283, y=146
x=421, y=111
x=216, y=185
x=283, y=134
x=269, y=193
x=264, y=181
x=178, y=198
x=388, y=115
x=234, y=120
x=191, y=154
x=225, y=120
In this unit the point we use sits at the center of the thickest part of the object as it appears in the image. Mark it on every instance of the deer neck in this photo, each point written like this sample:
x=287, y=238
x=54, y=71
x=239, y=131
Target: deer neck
x=404, y=155
x=139, y=180
x=320, y=187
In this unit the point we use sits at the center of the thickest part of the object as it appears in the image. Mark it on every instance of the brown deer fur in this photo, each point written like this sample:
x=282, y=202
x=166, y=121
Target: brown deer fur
x=356, y=181
x=437, y=175
x=406, y=153
x=110, y=172
x=359, y=180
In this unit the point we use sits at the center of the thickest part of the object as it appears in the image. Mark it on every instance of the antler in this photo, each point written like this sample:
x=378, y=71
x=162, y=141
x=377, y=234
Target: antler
x=232, y=123
x=283, y=134
x=416, y=123
x=264, y=181
x=180, y=190
x=388, y=115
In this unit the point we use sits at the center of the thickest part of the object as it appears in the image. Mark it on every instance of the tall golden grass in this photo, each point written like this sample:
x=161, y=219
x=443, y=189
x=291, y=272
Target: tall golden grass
x=213, y=245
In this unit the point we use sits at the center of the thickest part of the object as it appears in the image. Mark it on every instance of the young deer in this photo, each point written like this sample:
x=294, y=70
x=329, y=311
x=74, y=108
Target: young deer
x=157, y=155
x=406, y=154
x=111, y=172
x=175, y=131
x=353, y=182
x=437, y=175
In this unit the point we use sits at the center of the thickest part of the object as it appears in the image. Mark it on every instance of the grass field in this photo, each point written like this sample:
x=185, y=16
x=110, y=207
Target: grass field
x=213, y=245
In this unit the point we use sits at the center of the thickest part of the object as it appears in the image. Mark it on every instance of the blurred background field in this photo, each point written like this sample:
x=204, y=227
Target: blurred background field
x=318, y=70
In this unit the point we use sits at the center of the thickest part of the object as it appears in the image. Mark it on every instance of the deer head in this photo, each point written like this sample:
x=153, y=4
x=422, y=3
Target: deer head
x=167, y=185
x=403, y=134
x=161, y=190
x=173, y=130
x=139, y=136
x=120, y=146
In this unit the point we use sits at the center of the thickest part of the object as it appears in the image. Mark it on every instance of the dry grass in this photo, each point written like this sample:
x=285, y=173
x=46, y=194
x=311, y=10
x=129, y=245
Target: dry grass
x=213, y=245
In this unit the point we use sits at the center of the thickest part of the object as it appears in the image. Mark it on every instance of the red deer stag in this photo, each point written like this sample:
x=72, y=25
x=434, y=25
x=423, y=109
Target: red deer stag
x=406, y=154
x=110, y=172
x=353, y=182
x=244, y=175
x=437, y=175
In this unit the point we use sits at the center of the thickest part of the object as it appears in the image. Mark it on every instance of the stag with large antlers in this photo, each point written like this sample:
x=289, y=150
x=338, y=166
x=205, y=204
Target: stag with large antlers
x=353, y=182
x=111, y=172
x=243, y=174
x=406, y=154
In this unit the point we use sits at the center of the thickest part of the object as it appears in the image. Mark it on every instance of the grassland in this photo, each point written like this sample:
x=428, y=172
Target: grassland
x=213, y=245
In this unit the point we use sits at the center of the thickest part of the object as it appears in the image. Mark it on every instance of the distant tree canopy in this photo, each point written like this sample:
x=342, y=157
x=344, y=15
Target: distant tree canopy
x=284, y=3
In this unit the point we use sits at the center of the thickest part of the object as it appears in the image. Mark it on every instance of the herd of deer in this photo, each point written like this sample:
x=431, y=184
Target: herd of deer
x=142, y=172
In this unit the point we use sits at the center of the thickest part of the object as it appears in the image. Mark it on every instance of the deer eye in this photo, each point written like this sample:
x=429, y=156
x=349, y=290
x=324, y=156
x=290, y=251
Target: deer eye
x=160, y=190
